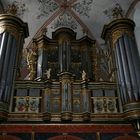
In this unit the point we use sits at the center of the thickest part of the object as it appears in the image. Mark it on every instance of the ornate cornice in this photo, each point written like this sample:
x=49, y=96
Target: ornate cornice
x=117, y=28
x=119, y=33
x=13, y=25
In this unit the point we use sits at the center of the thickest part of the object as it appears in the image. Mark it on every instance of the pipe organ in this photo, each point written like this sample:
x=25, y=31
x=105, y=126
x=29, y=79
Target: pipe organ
x=72, y=83
x=61, y=83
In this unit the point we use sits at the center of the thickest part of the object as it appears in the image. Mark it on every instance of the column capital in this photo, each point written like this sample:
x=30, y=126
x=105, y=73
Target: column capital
x=66, y=76
x=84, y=84
x=13, y=25
x=117, y=28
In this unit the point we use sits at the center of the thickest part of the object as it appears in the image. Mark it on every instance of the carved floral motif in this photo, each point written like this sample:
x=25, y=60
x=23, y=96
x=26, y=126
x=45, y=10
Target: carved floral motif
x=27, y=104
x=105, y=105
x=20, y=105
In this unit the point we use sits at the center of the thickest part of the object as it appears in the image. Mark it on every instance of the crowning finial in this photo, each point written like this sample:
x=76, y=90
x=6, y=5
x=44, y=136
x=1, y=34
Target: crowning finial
x=16, y=8
x=115, y=12
x=11, y=9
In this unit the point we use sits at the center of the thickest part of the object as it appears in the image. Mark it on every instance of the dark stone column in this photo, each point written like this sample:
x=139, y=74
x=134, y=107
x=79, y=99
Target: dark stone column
x=121, y=32
x=12, y=34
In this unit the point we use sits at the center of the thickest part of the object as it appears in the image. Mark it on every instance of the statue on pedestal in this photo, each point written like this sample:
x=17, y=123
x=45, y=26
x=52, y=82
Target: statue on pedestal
x=84, y=75
x=48, y=73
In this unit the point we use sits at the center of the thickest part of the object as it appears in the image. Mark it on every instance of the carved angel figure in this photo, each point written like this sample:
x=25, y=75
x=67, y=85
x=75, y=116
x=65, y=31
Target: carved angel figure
x=48, y=73
x=84, y=75
x=31, y=62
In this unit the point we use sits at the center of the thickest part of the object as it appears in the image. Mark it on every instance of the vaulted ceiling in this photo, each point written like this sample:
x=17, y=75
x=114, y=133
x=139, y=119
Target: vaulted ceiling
x=83, y=16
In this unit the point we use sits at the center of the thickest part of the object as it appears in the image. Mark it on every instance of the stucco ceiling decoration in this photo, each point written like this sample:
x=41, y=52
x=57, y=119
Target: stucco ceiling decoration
x=66, y=11
x=64, y=20
x=16, y=8
x=88, y=15
x=115, y=12
x=83, y=7
x=46, y=7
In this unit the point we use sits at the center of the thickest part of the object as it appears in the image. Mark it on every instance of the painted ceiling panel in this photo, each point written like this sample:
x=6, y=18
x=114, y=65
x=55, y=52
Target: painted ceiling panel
x=83, y=16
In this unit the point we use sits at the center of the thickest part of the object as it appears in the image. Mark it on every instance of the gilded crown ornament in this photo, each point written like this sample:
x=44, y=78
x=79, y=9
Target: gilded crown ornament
x=114, y=13
x=11, y=9
x=16, y=8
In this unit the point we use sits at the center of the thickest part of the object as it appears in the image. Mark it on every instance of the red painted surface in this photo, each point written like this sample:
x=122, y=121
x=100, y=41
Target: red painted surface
x=125, y=138
x=58, y=128
x=6, y=137
x=67, y=137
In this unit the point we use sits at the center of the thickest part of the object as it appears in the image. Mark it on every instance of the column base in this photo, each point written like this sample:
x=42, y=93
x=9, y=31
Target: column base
x=46, y=116
x=86, y=116
x=66, y=116
x=132, y=111
x=132, y=114
x=136, y=125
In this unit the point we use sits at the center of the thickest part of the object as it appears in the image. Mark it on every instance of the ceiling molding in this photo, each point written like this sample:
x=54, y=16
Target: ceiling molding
x=58, y=1
x=71, y=2
x=131, y=7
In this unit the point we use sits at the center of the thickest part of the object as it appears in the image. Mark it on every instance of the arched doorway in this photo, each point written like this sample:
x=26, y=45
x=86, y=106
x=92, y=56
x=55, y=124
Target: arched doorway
x=125, y=138
x=8, y=137
x=65, y=137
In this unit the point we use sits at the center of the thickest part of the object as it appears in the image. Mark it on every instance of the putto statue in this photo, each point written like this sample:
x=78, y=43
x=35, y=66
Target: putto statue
x=84, y=75
x=48, y=73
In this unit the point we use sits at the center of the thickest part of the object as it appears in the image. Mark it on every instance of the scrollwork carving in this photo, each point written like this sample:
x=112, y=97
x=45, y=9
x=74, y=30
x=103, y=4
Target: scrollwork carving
x=31, y=62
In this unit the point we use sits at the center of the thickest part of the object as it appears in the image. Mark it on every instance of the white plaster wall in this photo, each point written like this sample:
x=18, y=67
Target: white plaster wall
x=136, y=18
